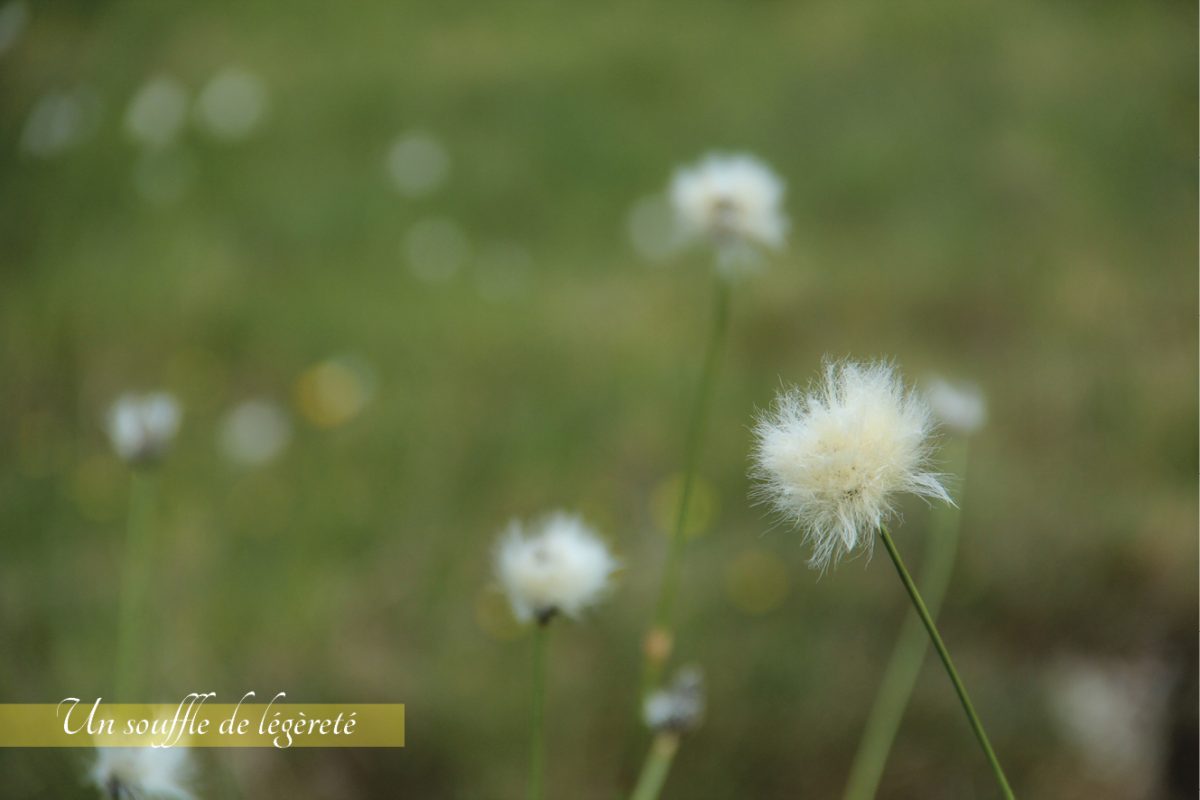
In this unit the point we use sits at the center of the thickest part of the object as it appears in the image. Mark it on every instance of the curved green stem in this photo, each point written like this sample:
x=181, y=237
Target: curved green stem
x=944, y=654
x=135, y=582
x=658, y=764
x=692, y=444
x=900, y=677
x=537, y=736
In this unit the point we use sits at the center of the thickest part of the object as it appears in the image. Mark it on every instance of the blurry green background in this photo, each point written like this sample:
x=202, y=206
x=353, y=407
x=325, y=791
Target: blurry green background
x=998, y=192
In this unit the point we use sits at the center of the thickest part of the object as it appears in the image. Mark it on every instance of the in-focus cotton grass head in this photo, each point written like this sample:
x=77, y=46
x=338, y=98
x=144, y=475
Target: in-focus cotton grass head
x=679, y=707
x=143, y=773
x=141, y=427
x=557, y=564
x=734, y=202
x=960, y=407
x=831, y=459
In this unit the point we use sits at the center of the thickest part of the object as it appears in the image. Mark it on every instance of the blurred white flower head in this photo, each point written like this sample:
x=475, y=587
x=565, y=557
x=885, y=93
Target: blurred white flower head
x=157, y=112
x=1114, y=713
x=233, y=104
x=679, y=707
x=417, y=164
x=141, y=427
x=61, y=121
x=14, y=17
x=961, y=407
x=143, y=773
x=733, y=201
x=558, y=565
x=255, y=432
x=831, y=459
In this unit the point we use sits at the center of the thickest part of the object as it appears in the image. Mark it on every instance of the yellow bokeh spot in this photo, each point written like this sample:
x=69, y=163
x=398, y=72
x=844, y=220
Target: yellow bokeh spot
x=332, y=393
x=756, y=581
x=494, y=617
x=664, y=506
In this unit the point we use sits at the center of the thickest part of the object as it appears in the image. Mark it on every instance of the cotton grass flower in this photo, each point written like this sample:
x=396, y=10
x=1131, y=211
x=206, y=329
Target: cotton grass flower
x=678, y=707
x=832, y=459
x=670, y=713
x=141, y=427
x=557, y=565
x=960, y=407
x=143, y=773
x=734, y=202
x=1115, y=714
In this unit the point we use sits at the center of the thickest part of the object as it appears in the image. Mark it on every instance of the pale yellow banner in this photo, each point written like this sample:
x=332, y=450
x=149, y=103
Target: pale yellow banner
x=196, y=722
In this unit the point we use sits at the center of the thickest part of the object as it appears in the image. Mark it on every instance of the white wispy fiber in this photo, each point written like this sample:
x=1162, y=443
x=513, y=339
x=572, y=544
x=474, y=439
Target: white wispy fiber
x=143, y=773
x=678, y=707
x=141, y=427
x=831, y=459
x=556, y=565
x=961, y=407
x=734, y=201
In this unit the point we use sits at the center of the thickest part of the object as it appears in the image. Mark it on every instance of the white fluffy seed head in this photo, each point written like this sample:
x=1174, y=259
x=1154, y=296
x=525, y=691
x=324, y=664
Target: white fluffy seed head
x=961, y=407
x=679, y=707
x=556, y=565
x=832, y=459
x=734, y=202
x=134, y=773
x=141, y=427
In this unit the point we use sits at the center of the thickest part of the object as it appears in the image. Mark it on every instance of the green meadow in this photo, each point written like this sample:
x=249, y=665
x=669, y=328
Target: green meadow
x=1002, y=193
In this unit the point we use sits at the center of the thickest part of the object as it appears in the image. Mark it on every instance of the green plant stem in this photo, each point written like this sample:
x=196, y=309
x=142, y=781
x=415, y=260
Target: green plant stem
x=692, y=444
x=944, y=654
x=900, y=677
x=658, y=764
x=537, y=737
x=135, y=582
